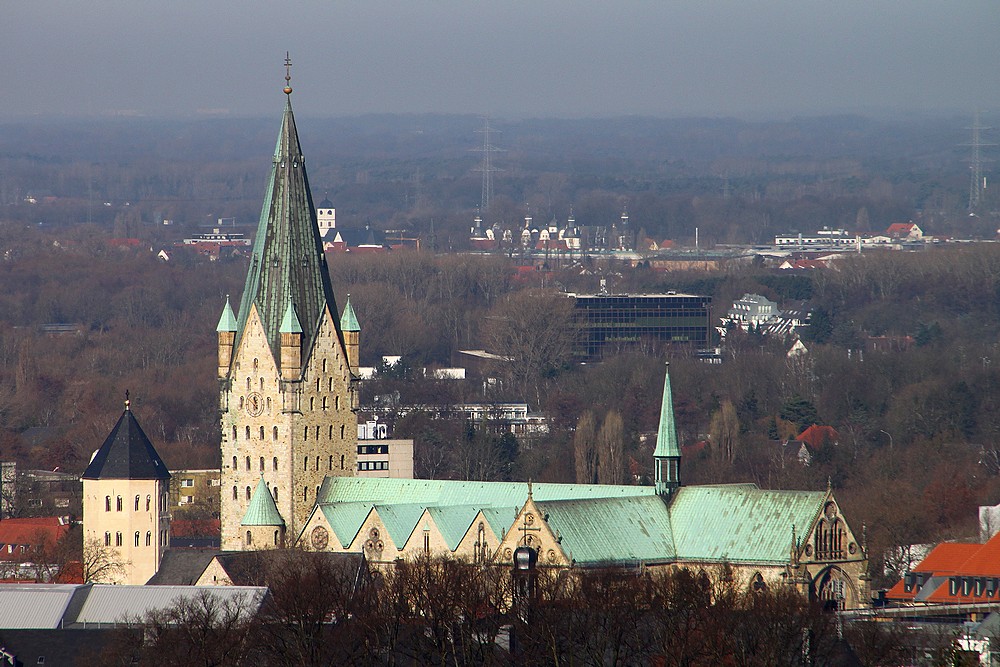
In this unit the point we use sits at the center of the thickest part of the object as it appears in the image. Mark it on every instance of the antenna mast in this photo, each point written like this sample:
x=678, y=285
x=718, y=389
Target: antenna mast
x=977, y=182
x=487, y=168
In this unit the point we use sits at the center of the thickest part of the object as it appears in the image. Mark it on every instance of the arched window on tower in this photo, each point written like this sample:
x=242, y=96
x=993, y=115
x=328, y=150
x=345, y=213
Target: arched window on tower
x=248, y=433
x=249, y=538
x=274, y=462
x=248, y=493
x=341, y=461
x=107, y=539
x=262, y=464
x=312, y=403
x=331, y=462
x=149, y=499
x=236, y=464
x=118, y=505
x=136, y=507
x=336, y=401
x=118, y=539
x=261, y=432
x=236, y=493
x=274, y=433
x=274, y=491
x=305, y=493
x=107, y=503
x=317, y=464
x=234, y=434
x=137, y=538
x=341, y=431
x=248, y=463
x=149, y=538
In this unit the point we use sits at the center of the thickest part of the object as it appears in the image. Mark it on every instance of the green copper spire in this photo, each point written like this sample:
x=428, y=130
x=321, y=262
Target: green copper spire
x=228, y=320
x=290, y=323
x=667, y=455
x=349, y=321
x=262, y=510
x=288, y=264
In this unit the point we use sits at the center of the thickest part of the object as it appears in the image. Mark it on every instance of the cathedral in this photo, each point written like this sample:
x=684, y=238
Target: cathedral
x=287, y=365
x=286, y=369
x=285, y=373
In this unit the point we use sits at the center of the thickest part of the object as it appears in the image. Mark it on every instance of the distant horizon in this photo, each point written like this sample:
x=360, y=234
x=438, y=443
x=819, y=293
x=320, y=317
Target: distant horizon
x=771, y=59
x=875, y=114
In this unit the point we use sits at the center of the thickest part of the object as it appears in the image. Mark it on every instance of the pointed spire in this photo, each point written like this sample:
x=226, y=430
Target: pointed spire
x=288, y=264
x=666, y=435
x=227, y=322
x=262, y=511
x=667, y=455
x=349, y=321
x=290, y=323
x=126, y=453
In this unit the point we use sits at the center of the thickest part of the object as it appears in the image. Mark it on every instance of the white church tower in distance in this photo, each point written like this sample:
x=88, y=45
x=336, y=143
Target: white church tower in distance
x=284, y=372
x=126, y=523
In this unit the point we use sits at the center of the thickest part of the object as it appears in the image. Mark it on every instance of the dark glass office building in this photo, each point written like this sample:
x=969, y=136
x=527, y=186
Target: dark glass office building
x=610, y=323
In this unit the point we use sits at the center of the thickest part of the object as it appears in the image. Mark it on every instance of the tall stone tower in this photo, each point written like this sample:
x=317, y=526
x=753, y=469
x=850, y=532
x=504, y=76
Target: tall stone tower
x=667, y=455
x=284, y=372
x=126, y=523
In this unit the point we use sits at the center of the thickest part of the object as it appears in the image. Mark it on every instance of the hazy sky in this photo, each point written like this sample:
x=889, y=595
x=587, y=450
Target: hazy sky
x=745, y=58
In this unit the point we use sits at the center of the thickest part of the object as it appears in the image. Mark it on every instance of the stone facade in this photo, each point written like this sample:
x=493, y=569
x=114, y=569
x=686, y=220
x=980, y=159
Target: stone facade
x=291, y=427
x=128, y=518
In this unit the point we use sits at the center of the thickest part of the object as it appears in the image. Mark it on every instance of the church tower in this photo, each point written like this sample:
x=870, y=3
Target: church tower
x=284, y=373
x=126, y=523
x=667, y=455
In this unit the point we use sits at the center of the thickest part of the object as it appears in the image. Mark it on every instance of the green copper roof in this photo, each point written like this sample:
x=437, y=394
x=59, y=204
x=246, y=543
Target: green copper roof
x=612, y=530
x=428, y=492
x=345, y=519
x=262, y=510
x=666, y=436
x=453, y=522
x=739, y=522
x=288, y=264
x=290, y=323
x=349, y=321
x=597, y=524
x=228, y=320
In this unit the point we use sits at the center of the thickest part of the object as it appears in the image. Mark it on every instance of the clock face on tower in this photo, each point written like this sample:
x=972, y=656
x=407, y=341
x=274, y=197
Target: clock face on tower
x=255, y=404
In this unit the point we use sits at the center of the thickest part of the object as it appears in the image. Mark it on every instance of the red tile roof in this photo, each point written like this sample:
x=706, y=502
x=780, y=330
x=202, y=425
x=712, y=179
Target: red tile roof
x=28, y=533
x=817, y=436
x=953, y=559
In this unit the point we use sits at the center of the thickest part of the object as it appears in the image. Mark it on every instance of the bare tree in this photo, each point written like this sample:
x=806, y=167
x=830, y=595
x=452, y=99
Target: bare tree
x=103, y=564
x=611, y=449
x=584, y=449
x=534, y=333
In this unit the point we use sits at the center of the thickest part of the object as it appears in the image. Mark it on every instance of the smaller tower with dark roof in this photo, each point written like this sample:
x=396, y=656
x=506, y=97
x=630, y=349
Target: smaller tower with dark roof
x=263, y=527
x=667, y=455
x=126, y=524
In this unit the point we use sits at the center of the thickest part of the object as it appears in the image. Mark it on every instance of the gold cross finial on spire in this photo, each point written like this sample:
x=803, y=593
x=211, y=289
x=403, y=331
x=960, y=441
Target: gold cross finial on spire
x=127, y=401
x=288, y=74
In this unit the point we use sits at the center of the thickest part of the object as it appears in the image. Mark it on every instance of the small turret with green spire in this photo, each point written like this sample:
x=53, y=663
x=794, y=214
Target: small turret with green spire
x=352, y=334
x=667, y=455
